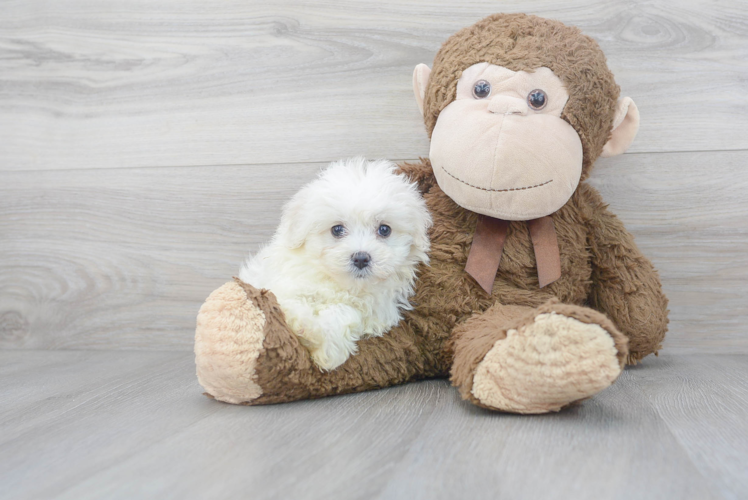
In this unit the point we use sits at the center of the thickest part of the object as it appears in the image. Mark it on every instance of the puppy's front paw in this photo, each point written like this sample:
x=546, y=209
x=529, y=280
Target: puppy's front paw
x=332, y=339
x=326, y=361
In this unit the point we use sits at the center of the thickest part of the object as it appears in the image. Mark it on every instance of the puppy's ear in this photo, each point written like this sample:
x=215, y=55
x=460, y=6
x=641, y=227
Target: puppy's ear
x=421, y=240
x=421, y=223
x=296, y=222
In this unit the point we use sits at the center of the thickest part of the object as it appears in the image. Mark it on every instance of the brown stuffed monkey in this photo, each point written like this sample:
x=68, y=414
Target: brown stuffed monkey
x=536, y=295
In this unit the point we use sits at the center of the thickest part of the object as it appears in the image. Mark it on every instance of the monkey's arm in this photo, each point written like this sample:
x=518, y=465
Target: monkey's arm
x=625, y=284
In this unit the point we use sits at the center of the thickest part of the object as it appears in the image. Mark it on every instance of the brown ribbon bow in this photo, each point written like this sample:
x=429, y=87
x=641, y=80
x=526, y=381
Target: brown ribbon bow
x=488, y=243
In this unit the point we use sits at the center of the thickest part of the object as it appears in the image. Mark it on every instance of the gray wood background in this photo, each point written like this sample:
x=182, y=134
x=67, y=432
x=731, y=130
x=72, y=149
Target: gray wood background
x=147, y=145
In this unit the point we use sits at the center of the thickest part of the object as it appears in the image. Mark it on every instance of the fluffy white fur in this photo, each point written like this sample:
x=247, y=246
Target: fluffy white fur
x=329, y=303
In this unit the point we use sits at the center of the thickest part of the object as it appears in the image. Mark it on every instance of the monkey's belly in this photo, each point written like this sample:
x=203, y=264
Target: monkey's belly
x=445, y=291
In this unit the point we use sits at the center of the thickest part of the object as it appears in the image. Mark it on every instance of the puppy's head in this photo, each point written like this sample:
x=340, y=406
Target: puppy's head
x=359, y=222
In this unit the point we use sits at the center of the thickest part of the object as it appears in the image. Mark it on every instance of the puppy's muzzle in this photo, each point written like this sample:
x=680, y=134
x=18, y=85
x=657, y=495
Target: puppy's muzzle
x=361, y=259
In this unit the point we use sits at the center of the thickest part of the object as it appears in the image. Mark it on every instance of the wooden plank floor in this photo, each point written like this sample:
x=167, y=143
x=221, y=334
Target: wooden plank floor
x=102, y=424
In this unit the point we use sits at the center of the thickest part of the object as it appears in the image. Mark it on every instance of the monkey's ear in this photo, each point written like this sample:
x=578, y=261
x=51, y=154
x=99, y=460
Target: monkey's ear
x=420, y=81
x=625, y=127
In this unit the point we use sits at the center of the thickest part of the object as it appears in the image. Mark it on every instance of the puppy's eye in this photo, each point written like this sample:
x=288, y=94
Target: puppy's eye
x=338, y=231
x=481, y=89
x=537, y=99
x=384, y=230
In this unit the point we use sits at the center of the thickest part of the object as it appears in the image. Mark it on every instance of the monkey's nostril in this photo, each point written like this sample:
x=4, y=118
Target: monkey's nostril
x=361, y=259
x=504, y=105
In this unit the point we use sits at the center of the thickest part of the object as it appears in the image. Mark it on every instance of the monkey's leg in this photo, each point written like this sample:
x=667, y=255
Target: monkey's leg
x=524, y=360
x=245, y=354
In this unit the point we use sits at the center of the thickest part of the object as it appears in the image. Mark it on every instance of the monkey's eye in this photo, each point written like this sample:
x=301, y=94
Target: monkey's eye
x=384, y=230
x=481, y=89
x=537, y=99
x=338, y=231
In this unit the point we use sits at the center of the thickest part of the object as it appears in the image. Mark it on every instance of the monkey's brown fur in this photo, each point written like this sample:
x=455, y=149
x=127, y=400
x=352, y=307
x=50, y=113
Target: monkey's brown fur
x=446, y=298
x=455, y=322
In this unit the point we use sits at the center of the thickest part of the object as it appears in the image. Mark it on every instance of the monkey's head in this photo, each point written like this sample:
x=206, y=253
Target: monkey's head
x=518, y=108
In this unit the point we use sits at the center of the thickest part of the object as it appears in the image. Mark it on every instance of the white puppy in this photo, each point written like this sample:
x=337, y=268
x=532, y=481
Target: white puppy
x=343, y=260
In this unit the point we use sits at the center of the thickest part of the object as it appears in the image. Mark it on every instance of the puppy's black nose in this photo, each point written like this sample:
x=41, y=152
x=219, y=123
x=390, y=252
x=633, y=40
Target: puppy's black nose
x=361, y=259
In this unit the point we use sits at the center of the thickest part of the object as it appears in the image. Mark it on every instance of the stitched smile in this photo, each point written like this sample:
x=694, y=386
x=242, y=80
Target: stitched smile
x=495, y=190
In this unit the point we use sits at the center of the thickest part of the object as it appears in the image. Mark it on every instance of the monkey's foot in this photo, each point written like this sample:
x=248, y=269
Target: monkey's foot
x=561, y=355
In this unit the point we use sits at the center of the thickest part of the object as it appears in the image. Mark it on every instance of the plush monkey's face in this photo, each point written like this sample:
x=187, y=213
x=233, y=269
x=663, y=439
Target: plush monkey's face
x=501, y=148
x=533, y=106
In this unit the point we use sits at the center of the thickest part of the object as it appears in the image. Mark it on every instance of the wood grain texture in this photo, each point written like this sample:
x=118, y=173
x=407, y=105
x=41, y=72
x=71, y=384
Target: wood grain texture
x=689, y=213
x=83, y=425
x=721, y=387
x=175, y=83
x=123, y=258
x=232, y=106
